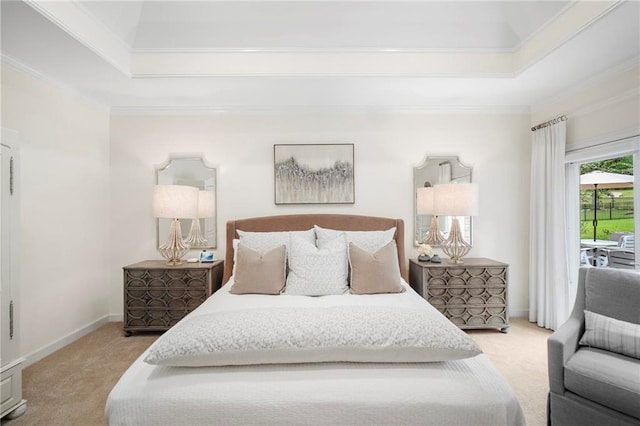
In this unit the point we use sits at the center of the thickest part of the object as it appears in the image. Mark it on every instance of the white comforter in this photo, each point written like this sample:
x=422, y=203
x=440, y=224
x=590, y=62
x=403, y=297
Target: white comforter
x=462, y=392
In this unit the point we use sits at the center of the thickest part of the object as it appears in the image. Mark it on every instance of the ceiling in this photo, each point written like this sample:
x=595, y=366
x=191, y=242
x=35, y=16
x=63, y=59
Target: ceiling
x=271, y=55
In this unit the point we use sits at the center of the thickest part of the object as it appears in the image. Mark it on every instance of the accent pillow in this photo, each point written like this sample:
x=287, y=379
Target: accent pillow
x=314, y=271
x=377, y=272
x=258, y=273
x=313, y=334
x=370, y=241
x=611, y=334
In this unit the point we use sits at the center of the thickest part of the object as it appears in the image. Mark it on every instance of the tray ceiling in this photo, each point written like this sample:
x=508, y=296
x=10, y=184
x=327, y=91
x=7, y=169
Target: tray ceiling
x=225, y=55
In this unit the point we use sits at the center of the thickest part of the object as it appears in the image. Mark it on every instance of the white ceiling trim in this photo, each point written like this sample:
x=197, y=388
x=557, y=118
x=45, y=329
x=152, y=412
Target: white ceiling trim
x=613, y=73
x=627, y=95
x=176, y=63
x=12, y=63
x=398, y=64
x=317, y=109
x=559, y=31
x=89, y=31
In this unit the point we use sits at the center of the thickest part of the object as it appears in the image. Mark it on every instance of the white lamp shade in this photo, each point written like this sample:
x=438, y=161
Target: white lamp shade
x=424, y=200
x=175, y=201
x=456, y=199
x=206, y=204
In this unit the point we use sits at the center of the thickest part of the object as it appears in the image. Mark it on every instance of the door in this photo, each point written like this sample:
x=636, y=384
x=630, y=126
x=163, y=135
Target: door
x=612, y=210
x=8, y=350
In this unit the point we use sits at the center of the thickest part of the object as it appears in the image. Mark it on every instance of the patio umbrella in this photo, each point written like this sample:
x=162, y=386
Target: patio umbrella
x=603, y=180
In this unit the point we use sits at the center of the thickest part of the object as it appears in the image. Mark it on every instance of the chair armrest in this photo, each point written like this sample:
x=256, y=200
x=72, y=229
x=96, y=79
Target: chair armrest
x=561, y=345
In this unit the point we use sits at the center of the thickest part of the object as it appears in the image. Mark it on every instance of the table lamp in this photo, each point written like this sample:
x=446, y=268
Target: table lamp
x=175, y=202
x=425, y=205
x=206, y=208
x=456, y=199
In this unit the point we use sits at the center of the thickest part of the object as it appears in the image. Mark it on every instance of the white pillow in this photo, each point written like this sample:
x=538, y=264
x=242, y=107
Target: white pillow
x=314, y=271
x=264, y=241
x=371, y=241
x=611, y=334
x=301, y=335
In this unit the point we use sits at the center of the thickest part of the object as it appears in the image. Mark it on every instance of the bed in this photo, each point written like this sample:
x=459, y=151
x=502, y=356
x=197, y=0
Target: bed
x=376, y=357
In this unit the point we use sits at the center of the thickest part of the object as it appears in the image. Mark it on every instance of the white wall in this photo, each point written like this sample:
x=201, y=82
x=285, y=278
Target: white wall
x=598, y=111
x=64, y=174
x=387, y=146
x=86, y=181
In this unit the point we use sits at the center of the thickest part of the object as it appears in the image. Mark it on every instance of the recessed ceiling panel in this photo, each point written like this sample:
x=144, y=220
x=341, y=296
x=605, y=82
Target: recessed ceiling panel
x=340, y=25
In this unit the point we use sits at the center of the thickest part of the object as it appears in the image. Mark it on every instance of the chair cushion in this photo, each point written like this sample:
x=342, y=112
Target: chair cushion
x=606, y=378
x=613, y=293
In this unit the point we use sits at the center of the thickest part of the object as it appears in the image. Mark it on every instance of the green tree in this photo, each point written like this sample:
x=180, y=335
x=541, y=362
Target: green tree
x=622, y=165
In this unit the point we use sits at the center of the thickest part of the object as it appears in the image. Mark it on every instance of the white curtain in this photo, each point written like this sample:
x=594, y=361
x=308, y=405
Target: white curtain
x=548, y=263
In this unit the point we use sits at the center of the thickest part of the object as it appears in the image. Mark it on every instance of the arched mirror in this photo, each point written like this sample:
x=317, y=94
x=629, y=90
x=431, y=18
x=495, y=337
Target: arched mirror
x=435, y=170
x=191, y=170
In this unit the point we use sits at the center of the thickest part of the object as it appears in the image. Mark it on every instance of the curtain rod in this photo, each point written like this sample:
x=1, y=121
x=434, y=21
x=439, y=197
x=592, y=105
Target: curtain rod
x=549, y=123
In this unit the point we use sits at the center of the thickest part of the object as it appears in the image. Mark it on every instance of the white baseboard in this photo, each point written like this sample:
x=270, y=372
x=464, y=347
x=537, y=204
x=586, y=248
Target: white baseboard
x=116, y=318
x=519, y=313
x=46, y=350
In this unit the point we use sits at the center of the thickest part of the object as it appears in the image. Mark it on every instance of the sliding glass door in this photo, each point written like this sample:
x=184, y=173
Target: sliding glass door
x=607, y=228
x=602, y=195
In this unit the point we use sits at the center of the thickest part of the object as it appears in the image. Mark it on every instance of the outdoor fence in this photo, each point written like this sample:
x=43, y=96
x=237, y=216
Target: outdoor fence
x=608, y=210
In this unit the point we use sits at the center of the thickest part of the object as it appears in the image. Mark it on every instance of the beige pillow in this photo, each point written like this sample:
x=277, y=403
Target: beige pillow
x=377, y=272
x=260, y=273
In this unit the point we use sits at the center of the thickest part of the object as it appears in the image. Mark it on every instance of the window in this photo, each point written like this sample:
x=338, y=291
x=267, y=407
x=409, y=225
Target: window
x=601, y=199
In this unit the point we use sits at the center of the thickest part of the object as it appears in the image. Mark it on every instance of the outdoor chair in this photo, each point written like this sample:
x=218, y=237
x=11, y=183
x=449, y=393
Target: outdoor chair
x=622, y=257
x=627, y=242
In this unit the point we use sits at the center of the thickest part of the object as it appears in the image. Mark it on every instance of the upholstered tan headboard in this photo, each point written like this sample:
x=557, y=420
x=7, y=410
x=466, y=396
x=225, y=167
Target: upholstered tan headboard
x=301, y=222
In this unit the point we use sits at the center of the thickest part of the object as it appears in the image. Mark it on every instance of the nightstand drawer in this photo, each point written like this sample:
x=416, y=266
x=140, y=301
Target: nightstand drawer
x=157, y=296
x=472, y=294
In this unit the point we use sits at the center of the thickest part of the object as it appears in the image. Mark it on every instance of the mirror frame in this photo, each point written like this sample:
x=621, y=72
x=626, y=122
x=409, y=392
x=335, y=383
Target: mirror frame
x=186, y=223
x=425, y=163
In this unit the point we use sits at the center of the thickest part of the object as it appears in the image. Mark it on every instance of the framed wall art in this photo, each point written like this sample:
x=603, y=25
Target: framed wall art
x=314, y=174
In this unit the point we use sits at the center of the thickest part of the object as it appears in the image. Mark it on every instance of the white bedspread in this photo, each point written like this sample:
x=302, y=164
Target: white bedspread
x=462, y=392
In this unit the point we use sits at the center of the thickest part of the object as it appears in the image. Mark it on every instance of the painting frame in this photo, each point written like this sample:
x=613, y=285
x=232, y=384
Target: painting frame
x=314, y=173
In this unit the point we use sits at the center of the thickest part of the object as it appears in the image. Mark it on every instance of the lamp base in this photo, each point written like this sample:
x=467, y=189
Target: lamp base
x=195, y=237
x=455, y=246
x=434, y=236
x=175, y=248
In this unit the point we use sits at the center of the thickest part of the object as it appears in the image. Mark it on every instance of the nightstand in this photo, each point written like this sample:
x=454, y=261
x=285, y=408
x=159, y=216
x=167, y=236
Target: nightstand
x=157, y=296
x=472, y=294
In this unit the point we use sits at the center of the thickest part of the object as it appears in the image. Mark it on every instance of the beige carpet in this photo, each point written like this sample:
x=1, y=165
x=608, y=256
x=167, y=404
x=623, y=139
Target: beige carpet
x=70, y=387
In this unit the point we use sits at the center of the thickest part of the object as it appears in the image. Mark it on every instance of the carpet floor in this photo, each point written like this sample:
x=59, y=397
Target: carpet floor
x=70, y=387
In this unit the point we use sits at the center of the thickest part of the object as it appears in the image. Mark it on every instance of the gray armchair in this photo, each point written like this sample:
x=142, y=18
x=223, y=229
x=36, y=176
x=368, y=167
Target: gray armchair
x=591, y=386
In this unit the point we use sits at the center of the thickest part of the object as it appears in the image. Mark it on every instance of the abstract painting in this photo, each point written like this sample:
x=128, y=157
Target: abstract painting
x=314, y=174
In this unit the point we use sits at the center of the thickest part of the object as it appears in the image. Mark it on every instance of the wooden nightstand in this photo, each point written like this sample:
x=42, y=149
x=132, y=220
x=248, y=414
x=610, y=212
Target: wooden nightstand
x=157, y=296
x=472, y=294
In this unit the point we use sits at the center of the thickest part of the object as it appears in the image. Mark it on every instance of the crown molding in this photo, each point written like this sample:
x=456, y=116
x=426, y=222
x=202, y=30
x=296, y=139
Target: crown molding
x=608, y=102
x=321, y=63
x=76, y=20
x=567, y=24
x=161, y=50
x=84, y=27
x=608, y=75
x=12, y=63
x=328, y=109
